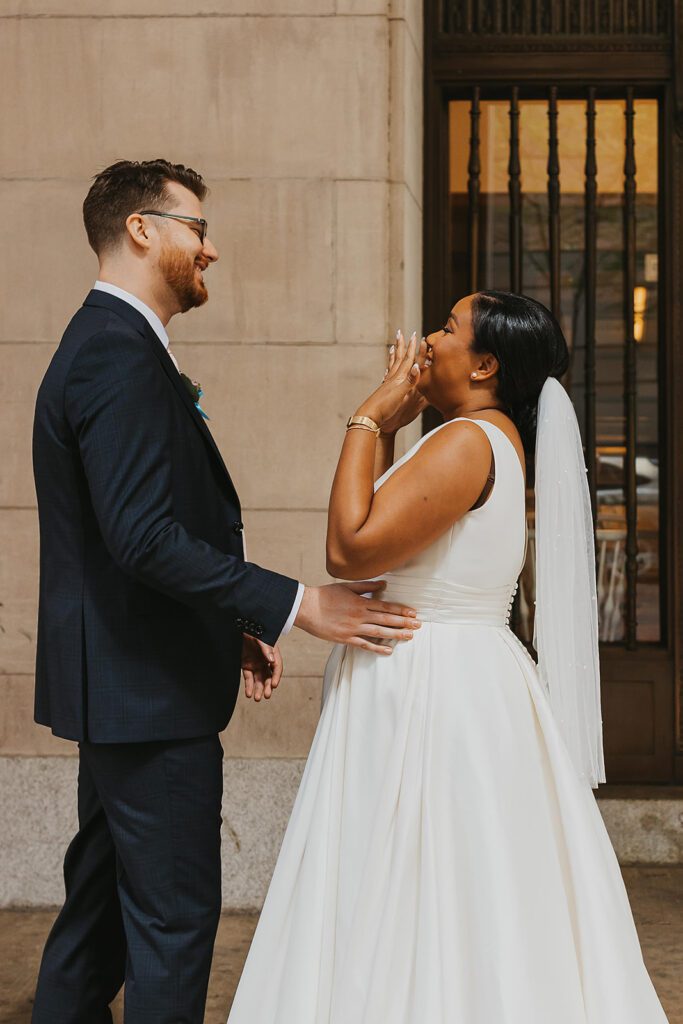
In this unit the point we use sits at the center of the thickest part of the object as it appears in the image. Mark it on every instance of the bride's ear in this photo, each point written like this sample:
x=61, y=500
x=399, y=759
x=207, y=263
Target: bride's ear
x=486, y=368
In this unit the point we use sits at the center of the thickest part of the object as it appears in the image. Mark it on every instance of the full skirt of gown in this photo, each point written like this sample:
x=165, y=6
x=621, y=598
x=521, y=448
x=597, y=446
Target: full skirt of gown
x=444, y=863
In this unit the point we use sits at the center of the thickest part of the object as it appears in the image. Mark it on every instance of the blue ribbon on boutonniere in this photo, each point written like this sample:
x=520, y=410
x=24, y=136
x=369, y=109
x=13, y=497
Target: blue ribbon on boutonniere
x=195, y=390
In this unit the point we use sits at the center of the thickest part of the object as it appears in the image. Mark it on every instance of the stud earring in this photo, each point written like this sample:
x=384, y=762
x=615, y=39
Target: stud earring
x=474, y=376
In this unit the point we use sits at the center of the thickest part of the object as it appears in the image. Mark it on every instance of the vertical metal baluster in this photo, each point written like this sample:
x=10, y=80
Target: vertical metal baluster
x=554, y=203
x=515, y=191
x=523, y=18
x=473, y=190
x=590, y=287
x=630, y=407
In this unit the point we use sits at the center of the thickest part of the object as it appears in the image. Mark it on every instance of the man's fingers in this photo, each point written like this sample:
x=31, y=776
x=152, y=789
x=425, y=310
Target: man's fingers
x=372, y=629
x=278, y=666
x=380, y=618
x=367, y=645
x=248, y=683
x=389, y=608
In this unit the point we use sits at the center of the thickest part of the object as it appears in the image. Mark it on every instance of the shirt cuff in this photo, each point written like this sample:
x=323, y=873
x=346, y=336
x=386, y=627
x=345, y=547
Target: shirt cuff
x=294, y=612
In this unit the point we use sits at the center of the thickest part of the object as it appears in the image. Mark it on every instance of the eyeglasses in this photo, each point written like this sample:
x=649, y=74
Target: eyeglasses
x=178, y=216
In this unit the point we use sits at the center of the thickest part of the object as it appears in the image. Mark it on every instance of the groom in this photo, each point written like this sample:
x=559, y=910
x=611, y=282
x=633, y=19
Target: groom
x=148, y=610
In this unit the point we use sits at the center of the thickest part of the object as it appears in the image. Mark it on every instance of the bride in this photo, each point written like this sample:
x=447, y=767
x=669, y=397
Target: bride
x=445, y=861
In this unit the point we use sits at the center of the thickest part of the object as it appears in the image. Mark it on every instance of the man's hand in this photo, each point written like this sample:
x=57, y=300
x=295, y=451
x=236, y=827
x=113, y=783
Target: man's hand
x=261, y=668
x=338, y=613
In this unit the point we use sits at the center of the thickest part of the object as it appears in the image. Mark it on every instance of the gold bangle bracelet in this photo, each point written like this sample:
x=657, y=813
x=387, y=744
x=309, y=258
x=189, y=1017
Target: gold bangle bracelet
x=362, y=426
x=363, y=421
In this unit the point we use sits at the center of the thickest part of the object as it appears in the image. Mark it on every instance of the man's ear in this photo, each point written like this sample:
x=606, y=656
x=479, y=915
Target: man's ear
x=487, y=367
x=137, y=230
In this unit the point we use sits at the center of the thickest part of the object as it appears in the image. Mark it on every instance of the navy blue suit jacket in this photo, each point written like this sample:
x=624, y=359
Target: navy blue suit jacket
x=144, y=591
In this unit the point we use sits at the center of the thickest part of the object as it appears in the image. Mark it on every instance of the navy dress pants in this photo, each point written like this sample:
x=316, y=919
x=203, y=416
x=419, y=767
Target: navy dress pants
x=143, y=887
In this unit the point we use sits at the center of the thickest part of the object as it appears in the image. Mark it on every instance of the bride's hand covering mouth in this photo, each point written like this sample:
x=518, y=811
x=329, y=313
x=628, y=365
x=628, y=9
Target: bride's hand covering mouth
x=415, y=402
x=397, y=401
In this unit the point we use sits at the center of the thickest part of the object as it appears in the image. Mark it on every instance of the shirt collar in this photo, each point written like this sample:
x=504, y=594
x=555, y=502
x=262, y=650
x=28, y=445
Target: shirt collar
x=132, y=300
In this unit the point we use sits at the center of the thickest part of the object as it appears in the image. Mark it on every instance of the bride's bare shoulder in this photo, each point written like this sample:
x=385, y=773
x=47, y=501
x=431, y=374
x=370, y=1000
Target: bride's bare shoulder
x=461, y=437
x=459, y=444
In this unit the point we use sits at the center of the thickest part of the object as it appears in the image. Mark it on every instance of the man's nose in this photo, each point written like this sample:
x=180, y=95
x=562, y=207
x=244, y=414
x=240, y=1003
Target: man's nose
x=210, y=250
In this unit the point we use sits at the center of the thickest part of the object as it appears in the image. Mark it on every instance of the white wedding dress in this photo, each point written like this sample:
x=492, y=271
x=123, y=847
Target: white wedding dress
x=443, y=863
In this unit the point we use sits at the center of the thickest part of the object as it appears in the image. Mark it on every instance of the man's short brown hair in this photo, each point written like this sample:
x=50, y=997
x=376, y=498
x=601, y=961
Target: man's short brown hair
x=127, y=187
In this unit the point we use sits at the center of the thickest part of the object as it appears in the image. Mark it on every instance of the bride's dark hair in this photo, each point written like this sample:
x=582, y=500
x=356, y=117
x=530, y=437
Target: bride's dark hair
x=529, y=345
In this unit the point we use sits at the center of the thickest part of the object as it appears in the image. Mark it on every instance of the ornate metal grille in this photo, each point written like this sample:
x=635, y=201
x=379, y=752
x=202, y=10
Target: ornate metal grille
x=574, y=246
x=642, y=20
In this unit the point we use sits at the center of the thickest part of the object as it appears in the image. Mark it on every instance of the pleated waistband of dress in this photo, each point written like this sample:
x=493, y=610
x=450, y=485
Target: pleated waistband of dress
x=451, y=603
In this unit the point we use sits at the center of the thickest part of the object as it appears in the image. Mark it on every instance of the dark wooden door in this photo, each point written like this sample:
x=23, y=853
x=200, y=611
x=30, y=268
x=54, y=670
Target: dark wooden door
x=553, y=166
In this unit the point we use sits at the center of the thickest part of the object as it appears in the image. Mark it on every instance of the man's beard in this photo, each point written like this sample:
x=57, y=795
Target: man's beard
x=180, y=274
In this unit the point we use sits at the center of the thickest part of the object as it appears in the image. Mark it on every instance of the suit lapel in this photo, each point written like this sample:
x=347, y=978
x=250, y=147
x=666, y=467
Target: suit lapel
x=142, y=325
x=177, y=382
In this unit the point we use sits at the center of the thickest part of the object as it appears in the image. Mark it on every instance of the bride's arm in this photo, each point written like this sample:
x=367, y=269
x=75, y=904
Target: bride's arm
x=368, y=533
x=384, y=454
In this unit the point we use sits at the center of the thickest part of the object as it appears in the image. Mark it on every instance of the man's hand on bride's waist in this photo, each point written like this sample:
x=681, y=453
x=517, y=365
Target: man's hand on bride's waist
x=339, y=613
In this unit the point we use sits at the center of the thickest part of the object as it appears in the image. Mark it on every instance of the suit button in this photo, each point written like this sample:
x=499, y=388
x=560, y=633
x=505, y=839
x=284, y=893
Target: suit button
x=238, y=527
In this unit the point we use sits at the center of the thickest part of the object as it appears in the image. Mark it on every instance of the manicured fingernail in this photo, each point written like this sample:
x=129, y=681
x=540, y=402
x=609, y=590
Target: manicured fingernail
x=415, y=367
x=413, y=336
x=392, y=350
x=398, y=334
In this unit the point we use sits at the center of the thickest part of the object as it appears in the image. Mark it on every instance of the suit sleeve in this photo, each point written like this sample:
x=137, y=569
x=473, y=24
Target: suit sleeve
x=118, y=404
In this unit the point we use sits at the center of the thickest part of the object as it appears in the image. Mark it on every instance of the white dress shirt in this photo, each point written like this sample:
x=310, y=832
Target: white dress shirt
x=160, y=331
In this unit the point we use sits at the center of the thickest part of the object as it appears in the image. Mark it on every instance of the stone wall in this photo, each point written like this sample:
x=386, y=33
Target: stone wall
x=305, y=116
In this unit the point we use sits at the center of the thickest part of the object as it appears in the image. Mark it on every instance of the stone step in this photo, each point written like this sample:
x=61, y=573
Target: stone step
x=645, y=823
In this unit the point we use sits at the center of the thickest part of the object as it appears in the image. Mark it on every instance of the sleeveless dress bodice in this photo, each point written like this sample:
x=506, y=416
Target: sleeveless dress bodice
x=469, y=574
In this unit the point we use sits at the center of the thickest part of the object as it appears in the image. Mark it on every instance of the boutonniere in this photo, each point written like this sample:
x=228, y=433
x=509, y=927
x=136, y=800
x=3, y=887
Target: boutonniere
x=195, y=390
